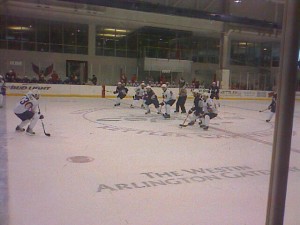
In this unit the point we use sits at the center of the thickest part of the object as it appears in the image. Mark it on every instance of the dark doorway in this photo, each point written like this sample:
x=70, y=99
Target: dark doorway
x=77, y=68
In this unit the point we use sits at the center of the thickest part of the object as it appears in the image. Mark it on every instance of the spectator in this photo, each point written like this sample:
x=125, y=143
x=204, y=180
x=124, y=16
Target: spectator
x=26, y=79
x=54, y=78
x=10, y=76
x=94, y=80
x=195, y=83
x=123, y=79
x=133, y=78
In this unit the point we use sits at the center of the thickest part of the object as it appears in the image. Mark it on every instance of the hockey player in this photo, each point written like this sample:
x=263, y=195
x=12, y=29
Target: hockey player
x=209, y=110
x=121, y=90
x=2, y=90
x=151, y=98
x=214, y=92
x=27, y=111
x=272, y=107
x=139, y=94
x=197, y=109
x=168, y=100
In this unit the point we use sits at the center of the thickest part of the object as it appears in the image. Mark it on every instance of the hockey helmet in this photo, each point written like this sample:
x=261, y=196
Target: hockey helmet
x=205, y=94
x=143, y=84
x=119, y=83
x=163, y=86
x=36, y=94
x=196, y=91
x=148, y=87
x=1, y=77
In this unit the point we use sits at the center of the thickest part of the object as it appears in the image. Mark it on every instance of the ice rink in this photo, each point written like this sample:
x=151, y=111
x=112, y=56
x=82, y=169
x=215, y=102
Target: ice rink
x=106, y=165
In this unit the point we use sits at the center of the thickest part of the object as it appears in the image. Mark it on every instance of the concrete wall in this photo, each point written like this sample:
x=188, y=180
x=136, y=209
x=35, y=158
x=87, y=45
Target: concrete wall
x=106, y=69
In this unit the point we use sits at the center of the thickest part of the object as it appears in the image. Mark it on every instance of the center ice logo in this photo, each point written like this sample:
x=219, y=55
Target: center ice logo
x=150, y=125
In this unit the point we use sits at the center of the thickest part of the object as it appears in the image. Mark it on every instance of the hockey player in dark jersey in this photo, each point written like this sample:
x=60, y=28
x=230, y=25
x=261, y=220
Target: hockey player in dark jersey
x=197, y=109
x=121, y=90
x=151, y=98
x=214, y=92
x=272, y=107
x=2, y=90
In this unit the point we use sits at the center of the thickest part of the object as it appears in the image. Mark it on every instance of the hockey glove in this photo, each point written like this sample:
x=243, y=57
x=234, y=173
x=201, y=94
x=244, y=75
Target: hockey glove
x=41, y=117
x=162, y=103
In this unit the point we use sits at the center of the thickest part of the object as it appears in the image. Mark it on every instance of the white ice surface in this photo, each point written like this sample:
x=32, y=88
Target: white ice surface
x=132, y=153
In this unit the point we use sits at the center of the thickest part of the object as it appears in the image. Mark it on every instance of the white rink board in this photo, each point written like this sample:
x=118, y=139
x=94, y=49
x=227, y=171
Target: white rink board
x=66, y=90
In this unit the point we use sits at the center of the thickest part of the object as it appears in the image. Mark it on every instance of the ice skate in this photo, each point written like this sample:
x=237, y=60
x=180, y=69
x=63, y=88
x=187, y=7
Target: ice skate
x=166, y=116
x=191, y=123
x=205, y=127
x=29, y=131
x=19, y=129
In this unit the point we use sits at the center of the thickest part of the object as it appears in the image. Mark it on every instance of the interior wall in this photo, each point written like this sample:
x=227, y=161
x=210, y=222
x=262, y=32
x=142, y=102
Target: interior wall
x=106, y=69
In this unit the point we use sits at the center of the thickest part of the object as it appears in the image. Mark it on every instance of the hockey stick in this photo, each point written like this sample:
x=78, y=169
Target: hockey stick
x=183, y=124
x=264, y=110
x=47, y=134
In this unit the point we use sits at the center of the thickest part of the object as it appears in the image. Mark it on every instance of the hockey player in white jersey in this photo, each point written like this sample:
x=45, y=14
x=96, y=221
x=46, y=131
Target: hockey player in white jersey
x=2, y=90
x=139, y=94
x=27, y=111
x=210, y=111
x=168, y=100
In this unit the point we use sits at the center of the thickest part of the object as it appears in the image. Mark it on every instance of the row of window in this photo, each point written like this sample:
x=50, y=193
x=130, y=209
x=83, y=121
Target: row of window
x=48, y=36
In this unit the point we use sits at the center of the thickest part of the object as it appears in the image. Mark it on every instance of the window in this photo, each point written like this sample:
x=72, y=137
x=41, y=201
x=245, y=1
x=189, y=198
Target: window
x=3, y=41
x=42, y=35
x=56, y=37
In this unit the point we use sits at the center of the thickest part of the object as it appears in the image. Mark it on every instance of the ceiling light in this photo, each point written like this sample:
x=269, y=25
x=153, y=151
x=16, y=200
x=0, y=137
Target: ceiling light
x=111, y=35
x=116, y=30
x=18, y=28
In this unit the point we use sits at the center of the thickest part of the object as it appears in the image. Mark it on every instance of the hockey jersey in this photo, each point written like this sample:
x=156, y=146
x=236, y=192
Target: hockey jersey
x=27, y=103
